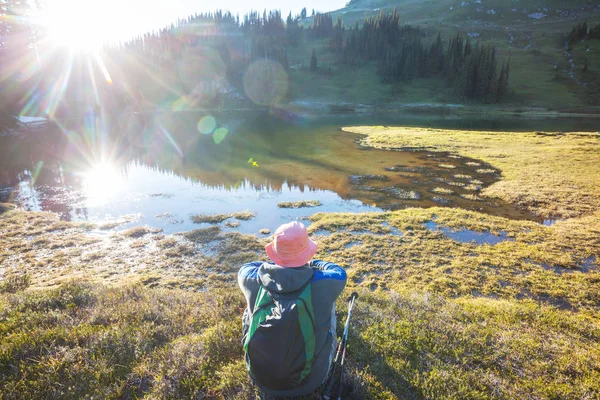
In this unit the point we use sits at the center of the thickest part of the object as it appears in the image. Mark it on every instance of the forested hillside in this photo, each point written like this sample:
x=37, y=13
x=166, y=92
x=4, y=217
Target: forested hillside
x=545, y=71
x=517, y=54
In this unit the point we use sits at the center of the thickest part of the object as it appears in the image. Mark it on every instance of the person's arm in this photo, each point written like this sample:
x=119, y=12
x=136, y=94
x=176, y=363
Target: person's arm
x=327, y=267
x=248, y=280
x=333, y=273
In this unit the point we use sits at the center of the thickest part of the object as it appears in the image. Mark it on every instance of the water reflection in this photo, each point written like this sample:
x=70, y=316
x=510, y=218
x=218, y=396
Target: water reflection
x=164, y=167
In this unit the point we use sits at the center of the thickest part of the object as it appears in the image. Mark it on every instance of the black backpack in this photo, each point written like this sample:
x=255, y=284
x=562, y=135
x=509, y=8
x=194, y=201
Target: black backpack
x=280, y=339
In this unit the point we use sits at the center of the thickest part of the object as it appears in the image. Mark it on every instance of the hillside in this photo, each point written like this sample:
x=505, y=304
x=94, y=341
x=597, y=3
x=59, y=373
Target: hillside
x=544, y=73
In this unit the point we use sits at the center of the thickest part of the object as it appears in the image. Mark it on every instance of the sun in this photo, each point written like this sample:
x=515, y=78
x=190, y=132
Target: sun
x=76, y=25
x=102, y=183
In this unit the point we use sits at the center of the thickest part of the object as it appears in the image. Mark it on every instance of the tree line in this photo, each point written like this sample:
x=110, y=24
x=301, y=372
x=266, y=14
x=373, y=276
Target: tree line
x=582, y=32
x=401, y=55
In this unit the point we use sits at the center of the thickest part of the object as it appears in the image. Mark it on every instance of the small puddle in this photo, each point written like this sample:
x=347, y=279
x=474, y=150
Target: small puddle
x=588, y=263
x=549, y=222
x=469, y=236
x=393, y=230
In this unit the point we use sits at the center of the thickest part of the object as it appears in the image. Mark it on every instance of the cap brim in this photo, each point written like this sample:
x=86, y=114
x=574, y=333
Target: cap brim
x=297, y=261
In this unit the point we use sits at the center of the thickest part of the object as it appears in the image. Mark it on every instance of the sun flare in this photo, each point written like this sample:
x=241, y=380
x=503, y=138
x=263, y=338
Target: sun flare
x=101, y=184
x=76, y=26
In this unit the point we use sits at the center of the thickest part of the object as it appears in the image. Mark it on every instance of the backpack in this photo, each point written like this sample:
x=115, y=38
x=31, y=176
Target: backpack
x=280, y=339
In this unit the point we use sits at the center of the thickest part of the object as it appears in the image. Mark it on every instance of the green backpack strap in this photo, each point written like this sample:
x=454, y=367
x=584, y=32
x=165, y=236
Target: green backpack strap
x=306, y=317
x=260, y=314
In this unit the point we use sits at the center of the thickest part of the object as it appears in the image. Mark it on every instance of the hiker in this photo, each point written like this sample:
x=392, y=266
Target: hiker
x=289, y=323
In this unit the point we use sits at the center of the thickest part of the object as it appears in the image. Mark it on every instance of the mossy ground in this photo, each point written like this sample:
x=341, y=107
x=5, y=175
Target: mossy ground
x=158, y=316
x=299, y=204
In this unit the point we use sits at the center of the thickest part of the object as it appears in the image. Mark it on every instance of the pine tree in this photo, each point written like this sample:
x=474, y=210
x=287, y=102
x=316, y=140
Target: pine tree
x=337, y=38
x=313, y=61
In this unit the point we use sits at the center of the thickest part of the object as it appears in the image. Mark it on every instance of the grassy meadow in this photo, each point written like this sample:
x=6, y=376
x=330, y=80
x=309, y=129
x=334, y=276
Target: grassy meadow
x=88, y=313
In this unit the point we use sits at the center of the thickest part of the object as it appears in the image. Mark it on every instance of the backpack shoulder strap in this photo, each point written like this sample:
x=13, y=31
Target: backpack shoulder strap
x=306, y=317
x=260, y=312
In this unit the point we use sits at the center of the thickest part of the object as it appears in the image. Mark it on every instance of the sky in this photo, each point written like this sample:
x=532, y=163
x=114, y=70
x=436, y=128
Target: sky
x=123, y=19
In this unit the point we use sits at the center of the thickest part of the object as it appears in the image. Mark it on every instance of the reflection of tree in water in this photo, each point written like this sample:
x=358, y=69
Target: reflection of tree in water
x=290, y=155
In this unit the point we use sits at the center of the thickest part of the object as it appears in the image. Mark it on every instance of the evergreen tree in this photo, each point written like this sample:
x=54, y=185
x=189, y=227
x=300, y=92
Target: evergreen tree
x=594, y=32
x=337, y=38
x=313, y=61
x=293, y=31
x=322, y=26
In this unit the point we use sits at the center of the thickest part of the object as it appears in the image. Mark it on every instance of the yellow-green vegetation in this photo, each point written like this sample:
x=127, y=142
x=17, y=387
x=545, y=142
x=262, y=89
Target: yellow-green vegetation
x=551, y=174
x=548, y=264
x=299, y=204
x=440, y=190
x=158, y=316
x=218, y=218
x=447, y=166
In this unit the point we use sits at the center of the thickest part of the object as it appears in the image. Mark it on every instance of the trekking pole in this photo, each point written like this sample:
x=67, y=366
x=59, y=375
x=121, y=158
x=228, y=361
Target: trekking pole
x=341, y=345
x=346, y=328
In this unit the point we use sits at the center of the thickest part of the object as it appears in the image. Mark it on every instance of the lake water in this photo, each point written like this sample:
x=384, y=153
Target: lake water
x=161, y=169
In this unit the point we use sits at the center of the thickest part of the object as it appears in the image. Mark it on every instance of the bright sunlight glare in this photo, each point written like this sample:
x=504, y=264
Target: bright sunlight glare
x=101, y=184
x=81, y=26
x=84, y=25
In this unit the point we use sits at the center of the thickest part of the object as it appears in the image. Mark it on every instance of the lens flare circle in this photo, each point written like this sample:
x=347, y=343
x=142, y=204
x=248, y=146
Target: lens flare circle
x=265, y=82
x=207, y=125
x=219, y=135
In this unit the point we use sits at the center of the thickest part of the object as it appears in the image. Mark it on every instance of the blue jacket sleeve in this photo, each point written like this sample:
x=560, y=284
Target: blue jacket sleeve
x=329, y=269
x=248, y=281
x=331, y=275
x=249, y=270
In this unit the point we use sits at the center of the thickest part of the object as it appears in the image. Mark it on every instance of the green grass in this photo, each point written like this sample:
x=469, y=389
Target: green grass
x=133, y=342
x=141, y=314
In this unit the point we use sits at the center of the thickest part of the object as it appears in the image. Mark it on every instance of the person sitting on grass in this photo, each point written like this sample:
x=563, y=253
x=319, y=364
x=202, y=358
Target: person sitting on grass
x=289, y=327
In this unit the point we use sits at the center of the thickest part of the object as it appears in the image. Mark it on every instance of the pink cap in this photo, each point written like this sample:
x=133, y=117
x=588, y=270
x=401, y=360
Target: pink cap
x=291, y=247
